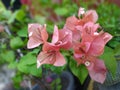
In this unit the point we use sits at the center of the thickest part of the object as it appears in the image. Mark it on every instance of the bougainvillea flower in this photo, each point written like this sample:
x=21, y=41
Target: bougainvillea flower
x=52, y=57
x=37, y=35
x=26, y=2
x=89, y=31
x=61, y=39
x=88, y=16
x=87, y=52
x=51, y=54
x=71, y=23
x=75, y=24
x=96, y=68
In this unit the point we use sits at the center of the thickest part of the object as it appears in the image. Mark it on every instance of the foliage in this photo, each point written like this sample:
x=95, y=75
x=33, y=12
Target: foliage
x=79, y=71
x=52, y=13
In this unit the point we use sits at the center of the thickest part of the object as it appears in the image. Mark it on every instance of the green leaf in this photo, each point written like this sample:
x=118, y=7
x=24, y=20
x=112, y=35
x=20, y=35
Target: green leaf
x=117, y=52
x=35, y=51
x=13, y=65
x=2, y=7
x=61, y=11
x=23, y=32
x=25, y=61
x=113, y=43
x=11, y=19
x=28, y=59
x=35, y=71
x=12, y=2
x=110, y=61
x=17, y=79
x=79, y=71
x=20, y=16
x=8, y=56
x=6, y=14
x=28, y=65
x=16, y=43
x=40, y=19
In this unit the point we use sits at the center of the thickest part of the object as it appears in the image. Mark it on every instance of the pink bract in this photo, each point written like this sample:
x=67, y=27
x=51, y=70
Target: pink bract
x=82, y=56
x=51, y=53
x=37, y=35
x=61, y=39
x=52, y=57
x=76, y=24
x=97, y=70
x=89, y=48
x=88, y=16
x=81, y=34
x=26, y=2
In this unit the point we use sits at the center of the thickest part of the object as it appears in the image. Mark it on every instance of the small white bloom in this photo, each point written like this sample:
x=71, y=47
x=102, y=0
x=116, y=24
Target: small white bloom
x=96, y=33
x=81, y=11
x=87, y=63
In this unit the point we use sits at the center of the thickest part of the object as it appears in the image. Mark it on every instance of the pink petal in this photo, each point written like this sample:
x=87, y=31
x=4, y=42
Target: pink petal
x=26, y=2
x=50, y=47
x=37, y=35
x=97, y=47
x=90, y=15
x=33, y=42
x=70, y=23
x=45, y=58
x=90, y=28
x=33, y=27
x=55, y=37
x=86, y=47
x=106, y=37
x=89, y=32
x=44, y=33
x=65, y=37
x=97, y=71
x=53, y=57
x=60, y=60
x=76, y=35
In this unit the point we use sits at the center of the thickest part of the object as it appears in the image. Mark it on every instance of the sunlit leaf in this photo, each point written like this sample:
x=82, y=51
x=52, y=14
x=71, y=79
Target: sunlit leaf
x=16, y=43
x=79, y=71
x=109, y=60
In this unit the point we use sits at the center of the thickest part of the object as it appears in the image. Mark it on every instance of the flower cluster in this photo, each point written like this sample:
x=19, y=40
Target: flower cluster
x=82, y=35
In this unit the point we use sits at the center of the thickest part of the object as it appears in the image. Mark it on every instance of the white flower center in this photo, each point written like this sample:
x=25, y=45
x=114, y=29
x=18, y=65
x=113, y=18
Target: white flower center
x=82, y=10
x=87, y=63
x=96, y=33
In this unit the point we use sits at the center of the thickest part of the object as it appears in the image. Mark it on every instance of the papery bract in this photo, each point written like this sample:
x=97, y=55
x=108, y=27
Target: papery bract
x=90, y=16
x=81, y=34
x=91, y=46
x=52, y=57
x=26, y=2
x=37, y=35
x=97, y=70
x=51, y=53
x=83, y=57
x=75, y=24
